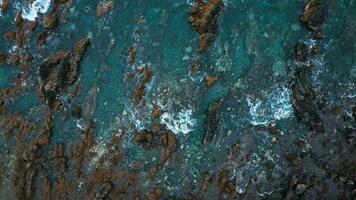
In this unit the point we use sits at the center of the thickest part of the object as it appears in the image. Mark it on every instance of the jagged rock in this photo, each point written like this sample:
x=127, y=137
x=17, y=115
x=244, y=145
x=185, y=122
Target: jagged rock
x=212, y=121
x=60, y=71
x=203, y=18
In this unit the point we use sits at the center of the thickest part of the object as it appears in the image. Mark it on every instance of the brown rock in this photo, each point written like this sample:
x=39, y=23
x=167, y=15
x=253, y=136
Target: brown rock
x=210, y=80
x=309, y=10
x=145, y=138
x=3, y=57
x=50, y=21
x=157, y=112
x=10, y=36
x=42, y=38
x=5, y=6
x=203, y=18
x=15, y=60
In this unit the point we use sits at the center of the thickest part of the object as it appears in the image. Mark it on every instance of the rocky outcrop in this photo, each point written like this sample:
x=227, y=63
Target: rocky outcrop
x=314, y=16
x=60, y=71
x=212, y=121
x=203, y=18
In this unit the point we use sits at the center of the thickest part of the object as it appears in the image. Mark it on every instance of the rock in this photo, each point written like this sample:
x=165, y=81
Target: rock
x=3, y=57
x=42, y=38
x=304, y=100
x=314, y=16
x=60, y=71
x=300, y=189
x=140, y=90
x=210, y=80
x=212, y=121
x=144, y=138
x=104, y=8
x=157, y=112
x=15, y=60
x=301, y=52
x=11, y=36
x=50, y=21
x=226, y=185
x=203, y=18
x=5, y=6
x=309, y=10
x=195, y=66
x=131, y=55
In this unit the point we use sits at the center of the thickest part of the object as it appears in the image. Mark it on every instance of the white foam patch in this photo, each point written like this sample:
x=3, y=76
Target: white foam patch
x=182, y=123
x=275, y=105
x=38, y=6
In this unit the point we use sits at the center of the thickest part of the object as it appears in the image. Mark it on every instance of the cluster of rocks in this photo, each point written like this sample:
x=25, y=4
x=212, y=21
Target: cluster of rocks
x=60, y=71
x=203, y=18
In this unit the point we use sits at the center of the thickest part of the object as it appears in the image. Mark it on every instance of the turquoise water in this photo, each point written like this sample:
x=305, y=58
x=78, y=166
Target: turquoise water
x=252, y=58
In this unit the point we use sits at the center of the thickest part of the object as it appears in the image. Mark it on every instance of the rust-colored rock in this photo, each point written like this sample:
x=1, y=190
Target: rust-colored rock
x=210, y=80
x=104, y=8
x=203, y=18
x=60, y=71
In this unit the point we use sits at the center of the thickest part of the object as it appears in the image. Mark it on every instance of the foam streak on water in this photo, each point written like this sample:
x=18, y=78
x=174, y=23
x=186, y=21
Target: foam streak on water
x=38, y=6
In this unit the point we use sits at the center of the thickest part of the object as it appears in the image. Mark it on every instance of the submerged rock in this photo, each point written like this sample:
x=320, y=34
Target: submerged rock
x=203, y=18
x=140, y=90
x=104, y=8
x=3, y=57
x=212, y=121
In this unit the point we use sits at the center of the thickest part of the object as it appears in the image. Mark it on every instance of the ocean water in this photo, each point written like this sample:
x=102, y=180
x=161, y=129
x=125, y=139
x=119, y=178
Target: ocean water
x=252, y=56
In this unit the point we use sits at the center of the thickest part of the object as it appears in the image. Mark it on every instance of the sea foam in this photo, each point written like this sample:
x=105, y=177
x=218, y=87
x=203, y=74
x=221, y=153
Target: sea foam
x=38, y=6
